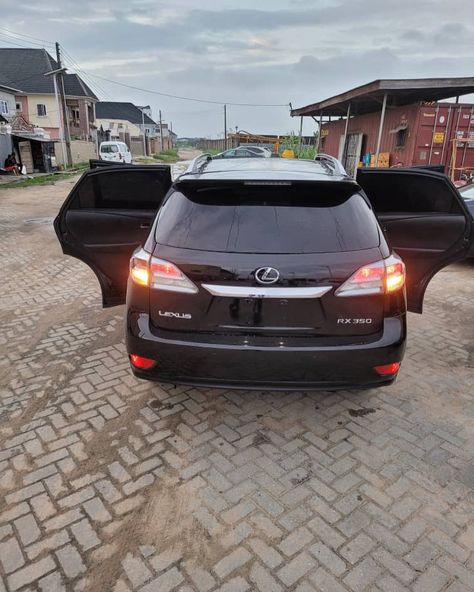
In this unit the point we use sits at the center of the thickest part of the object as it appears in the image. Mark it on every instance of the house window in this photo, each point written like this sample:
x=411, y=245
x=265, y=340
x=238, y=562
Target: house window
x=75, y=117
x=3, y=107
x=401, y=138
x=41, y=110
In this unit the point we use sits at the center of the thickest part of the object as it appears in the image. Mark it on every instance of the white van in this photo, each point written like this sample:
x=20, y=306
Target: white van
x=115, y=152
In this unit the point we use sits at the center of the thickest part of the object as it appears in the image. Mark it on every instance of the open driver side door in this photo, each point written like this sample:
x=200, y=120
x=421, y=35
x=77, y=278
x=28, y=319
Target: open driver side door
x=424, y=219
x=106, y=216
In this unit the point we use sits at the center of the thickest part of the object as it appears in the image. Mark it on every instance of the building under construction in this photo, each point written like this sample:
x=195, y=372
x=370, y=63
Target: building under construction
x=399, y=123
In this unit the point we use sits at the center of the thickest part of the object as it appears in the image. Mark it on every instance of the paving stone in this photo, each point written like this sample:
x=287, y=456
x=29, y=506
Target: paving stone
x=30, y=573
x=11, y=556
x=357, y=548
x=164, y=583
x=70, y=561
x=328, y=558
x=363, y=575
x=52, y=583
x=268, y=555
x=201, y=578
x=263, y=579
x=432, y=580
x=85, y=535
x=27, y=529
x=231, y=562
x=166, y=559
x=299, y=566
x=49, y=543
x=295, y=541
x=136, y=570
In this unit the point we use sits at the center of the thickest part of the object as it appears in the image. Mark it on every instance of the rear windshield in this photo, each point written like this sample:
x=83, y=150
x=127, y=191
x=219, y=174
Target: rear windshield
x=316, y=218
x=109, y=148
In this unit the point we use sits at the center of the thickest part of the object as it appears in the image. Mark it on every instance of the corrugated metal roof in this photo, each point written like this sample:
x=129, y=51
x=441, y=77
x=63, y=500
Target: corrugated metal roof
x=368, y=98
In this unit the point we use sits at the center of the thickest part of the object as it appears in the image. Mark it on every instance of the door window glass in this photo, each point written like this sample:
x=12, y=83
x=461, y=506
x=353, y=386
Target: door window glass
x=132, y=190
x=411, y=193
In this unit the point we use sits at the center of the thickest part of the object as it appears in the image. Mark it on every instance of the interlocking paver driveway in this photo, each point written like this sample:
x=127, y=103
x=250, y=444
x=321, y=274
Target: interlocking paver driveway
x=109, y=483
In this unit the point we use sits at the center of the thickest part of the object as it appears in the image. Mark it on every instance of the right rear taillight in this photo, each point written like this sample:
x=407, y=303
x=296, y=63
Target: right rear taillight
x=382, y=277
x=159, y=274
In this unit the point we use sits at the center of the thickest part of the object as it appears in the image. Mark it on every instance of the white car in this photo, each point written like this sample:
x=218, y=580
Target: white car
x=245, y=152
x=115, y=152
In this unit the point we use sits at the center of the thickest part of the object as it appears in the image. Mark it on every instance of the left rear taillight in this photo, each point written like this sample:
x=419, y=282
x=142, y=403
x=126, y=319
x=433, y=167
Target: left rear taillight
x=382, y=277
x=159, y=274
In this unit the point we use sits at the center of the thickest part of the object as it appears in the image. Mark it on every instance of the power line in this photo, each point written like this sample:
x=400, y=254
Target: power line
x=92, y=84
x=161, y=94
x=10, y=39
x=27, y=36
x=146, y=90
x=6, y=40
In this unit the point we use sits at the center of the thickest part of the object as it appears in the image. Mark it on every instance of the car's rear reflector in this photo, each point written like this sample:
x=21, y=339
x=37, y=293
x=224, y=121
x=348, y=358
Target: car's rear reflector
x=387, y=369
x=141, y=362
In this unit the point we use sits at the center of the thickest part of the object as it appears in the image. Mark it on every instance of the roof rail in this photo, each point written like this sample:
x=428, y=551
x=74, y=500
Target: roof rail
x=198, y=164
x=333, y=165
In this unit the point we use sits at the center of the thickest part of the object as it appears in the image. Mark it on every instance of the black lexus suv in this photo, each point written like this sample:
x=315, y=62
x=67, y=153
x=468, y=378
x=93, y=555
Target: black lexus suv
x=265, y=273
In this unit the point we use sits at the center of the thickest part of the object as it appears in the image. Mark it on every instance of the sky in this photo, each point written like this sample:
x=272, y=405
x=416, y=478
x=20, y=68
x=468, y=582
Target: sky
x=270, y=52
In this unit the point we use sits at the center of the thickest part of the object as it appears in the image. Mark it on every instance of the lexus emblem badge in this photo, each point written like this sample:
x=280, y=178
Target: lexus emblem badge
x=267, y=275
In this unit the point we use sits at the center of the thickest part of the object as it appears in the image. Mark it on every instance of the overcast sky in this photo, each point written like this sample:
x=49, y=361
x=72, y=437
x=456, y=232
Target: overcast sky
x=270, y=51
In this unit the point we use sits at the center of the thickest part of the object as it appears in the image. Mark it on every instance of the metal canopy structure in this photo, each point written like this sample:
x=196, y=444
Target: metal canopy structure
x=380, y=95
x=370, y=97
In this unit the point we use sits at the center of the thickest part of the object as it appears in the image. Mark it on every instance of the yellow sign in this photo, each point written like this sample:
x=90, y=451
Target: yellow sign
x=438, y=137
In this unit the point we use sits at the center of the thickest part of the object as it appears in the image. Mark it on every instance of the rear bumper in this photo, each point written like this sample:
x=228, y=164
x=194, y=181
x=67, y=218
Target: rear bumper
x=266, y=368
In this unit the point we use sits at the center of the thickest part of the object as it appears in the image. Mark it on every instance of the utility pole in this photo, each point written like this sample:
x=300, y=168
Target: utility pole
x=225, y=127
x=161, y=131
x=62, y=98
x=143, y=132
x=61, y=127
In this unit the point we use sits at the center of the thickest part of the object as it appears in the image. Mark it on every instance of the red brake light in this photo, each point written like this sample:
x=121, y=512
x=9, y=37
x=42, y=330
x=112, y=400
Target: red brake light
x=387, y=369
x=165, y=268
x=141, y=362
x=159, y=274
x=382, y=277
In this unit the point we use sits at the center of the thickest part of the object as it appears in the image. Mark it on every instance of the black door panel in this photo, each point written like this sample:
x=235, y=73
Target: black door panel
x=424, y=219
x=106, y=216
x=426, y=232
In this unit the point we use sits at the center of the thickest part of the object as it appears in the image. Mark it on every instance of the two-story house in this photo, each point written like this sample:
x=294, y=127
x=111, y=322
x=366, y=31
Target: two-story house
x=35, y=97
x=7, y=112
x=128, y=123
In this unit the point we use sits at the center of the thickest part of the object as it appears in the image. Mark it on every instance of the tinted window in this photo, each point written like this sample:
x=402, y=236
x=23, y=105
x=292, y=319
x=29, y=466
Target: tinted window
x=405, y=192
x=134, y=190
x=294, y=219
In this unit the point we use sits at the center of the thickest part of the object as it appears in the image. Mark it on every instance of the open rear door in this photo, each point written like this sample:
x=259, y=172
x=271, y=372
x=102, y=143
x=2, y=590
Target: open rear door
x=106, y=216
x=424, y=219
